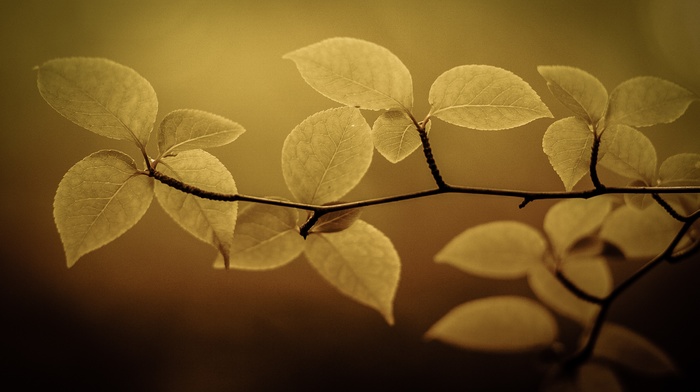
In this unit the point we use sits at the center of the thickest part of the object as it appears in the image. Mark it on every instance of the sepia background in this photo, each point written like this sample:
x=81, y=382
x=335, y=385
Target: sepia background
x=147, y=312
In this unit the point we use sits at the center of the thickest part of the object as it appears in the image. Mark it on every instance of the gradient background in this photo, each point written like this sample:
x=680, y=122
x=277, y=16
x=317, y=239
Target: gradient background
x=147, y=312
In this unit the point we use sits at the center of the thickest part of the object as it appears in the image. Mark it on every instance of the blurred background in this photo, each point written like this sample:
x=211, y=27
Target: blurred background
x=147, y=312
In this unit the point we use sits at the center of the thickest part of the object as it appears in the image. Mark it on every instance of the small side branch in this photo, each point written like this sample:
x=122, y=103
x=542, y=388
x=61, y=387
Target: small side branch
x=594, y=163
x=428, y=152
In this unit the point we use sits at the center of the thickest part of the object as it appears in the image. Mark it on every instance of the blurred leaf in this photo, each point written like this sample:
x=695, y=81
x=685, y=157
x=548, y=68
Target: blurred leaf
x=395, y=136
x=98, y=200
x=484, y=97
x=326, y=155
x=188, y=129
x=208, y=220
x=101, y=96
x=625, y=347
x=501, y=250
x=571, y=220
x=629, y=153
x=646, y=100
x=578, y=90
x=336, y=221
x=360, y=262
x=355, y=73
x=638, y=201
x=497, y=324
x=568, y=143
x=596, y=377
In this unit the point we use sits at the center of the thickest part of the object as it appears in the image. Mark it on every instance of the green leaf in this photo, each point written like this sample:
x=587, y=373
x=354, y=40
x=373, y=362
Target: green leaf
x=266, y=237
x=646, y=100
x=188, y=129
x=484, y=97
x=336, y=221
x=100, y=95
x=571, y=220
x=629, y=153
x=497, y=324
x=568, y=143
x=355, y=73
x=360, y=262
x=208, y=220
x=98, y=200
x=500, y=250
x=578, y=90
x=625, y=347
x=395, y=136
x=326, y=155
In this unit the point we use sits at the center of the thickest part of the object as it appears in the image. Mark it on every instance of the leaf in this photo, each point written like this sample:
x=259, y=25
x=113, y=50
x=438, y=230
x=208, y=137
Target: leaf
x=571, y=220
x=484, y=97
x=326, y=155
x=100, y=95
x=568, y=143
x=629, y=153
x=578, y=90
x=355, y=73
x=395, y=136
x=595, y=377
x=681, y=170
x=360, y=262
x=188, y=129
x=646, y=100
x=638, y=201
x=98, y=200
x=500, y=250
x=336, y=221
x=625, y=347
x=497, y=324
x=266, y=237
x=208, y=220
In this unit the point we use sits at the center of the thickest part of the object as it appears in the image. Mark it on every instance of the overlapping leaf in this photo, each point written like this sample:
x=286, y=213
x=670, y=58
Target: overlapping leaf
x=578, y=90
x=568, y=143
x=629, y=153
x=395, y=136
x=627, y=348
x=571, y=220
x=187, y=129
x=681, y=170
x=336, y=221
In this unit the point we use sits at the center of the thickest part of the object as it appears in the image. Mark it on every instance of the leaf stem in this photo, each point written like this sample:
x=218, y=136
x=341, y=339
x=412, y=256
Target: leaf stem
x=429, y=158
x=594, y=163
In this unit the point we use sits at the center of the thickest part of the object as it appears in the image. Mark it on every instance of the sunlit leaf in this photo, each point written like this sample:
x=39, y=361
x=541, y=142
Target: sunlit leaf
x=100, y=95
x=208, y=220
x=336, y=221
x=326, y=155
x=360, y=262
x=188, y=129
x=484, y=97
x=99, y=199
x=568, y=143
x=571, y=220
x=395, y=136
x=681, y=170
x=629, y=153
x=502, y=250
x=578, y=90
x=627, y=348
x=497, y=324
x=355, y=73
x=596, y=377
x=646, y=100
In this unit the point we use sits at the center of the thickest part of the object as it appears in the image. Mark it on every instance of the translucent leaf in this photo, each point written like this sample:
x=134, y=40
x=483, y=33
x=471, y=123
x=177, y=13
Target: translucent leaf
x=629, y=153
x=266, y=237
x=627, y=348
x=99, y=199
x=355, y=73
x=569, y=221
x=501, y=250
x=640, y=201
x=326, y=155
x=360, y=262
x=497, y=324
x=336, y=221
x=646, y=100
x=681, y=170
x=568, y=143
x=578, y=90
x=208, y=220
x=188, y=129
x=100, y=95
x=395, y=136
x=484, y=97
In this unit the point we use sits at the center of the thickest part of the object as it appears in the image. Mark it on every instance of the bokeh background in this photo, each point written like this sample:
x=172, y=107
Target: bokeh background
x=147, y=312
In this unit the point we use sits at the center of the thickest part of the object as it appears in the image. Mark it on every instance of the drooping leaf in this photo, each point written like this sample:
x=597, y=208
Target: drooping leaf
x=501, y=250
x=336, y=221
x=646, y=100
x=629, y=153
x=627, y=348
x=484, y=97
x=569, y=221
x=497, y=324
x=355, y=73
x=98, y=200
x=578, y=90
x=681, y=170
x=208, y=220
x=360, y=262
x=326, y=155
x=395, y=136
x=188, y=129
x=568, y=143
x=101, y=96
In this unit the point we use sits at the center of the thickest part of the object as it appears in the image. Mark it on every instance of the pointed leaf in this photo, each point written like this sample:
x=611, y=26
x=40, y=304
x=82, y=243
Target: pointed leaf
x=355, y=73
x=569, y=221
x=360, y=262
x=336, y=221
x=395, y=136
x=326, y=155
x=497, y=324
x=578, y=90
x=627, y=348
x=629, y=153
x=99, y=199
x=100, y=95
x=568, y=143
x=188, y=129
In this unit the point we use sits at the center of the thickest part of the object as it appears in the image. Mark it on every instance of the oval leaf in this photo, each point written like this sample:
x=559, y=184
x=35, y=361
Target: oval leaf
x=625, y=347
x=101, y=96
x=484, y=97
x=681, y=170
x=578, y=90
x=395, y=136
x=568, y=143
x=355, y=73
x=188, y=129
x=99, y=199
x=326, y=155
x=497, y=324
x=360, y=262
x=629, y=153
x=571, y=220
x=336, y=221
